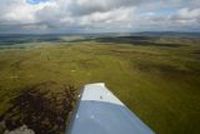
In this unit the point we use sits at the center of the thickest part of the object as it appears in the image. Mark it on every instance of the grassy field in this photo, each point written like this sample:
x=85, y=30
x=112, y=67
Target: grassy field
x=159, y=81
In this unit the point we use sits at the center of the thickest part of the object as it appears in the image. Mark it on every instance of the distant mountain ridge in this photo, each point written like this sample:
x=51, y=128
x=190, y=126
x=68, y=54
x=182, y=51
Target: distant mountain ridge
x=12, y=39
x=169, y=33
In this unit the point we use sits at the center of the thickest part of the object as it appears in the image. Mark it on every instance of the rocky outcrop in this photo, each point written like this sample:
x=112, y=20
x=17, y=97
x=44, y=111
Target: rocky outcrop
x=21, y=130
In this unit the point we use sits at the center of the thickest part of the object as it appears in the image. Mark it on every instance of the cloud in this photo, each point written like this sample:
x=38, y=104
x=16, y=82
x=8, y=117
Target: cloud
x=98, y=15
x=19, y=11
x=85, y=7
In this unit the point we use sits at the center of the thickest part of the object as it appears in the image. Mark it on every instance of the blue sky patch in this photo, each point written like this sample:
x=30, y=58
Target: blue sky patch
x=35, y=1
x=167, y=11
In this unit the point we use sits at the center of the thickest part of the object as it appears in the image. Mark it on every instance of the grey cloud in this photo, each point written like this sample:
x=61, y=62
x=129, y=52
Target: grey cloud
x=86, y=7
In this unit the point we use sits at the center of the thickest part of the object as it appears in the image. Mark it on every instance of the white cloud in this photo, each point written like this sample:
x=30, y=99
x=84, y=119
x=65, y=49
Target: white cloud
x=121, y=15
x=55, y=15
x=187, y=13
x=19, y=11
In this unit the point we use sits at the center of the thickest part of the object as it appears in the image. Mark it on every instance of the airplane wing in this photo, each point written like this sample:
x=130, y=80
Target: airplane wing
x=100, y=112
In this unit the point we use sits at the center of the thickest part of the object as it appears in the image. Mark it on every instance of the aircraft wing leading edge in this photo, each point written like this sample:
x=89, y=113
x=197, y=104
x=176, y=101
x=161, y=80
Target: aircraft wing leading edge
x=100, y=112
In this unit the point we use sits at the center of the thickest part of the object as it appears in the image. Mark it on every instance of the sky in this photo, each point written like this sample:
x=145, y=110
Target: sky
x=98, y=16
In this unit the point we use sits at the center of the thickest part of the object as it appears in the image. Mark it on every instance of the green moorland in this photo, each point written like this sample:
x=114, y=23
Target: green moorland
x=160, y=83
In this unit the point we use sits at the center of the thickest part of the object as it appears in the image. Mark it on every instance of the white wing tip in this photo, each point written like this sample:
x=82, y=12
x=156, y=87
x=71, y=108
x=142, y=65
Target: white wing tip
x=102, y=84
x=99, y=92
